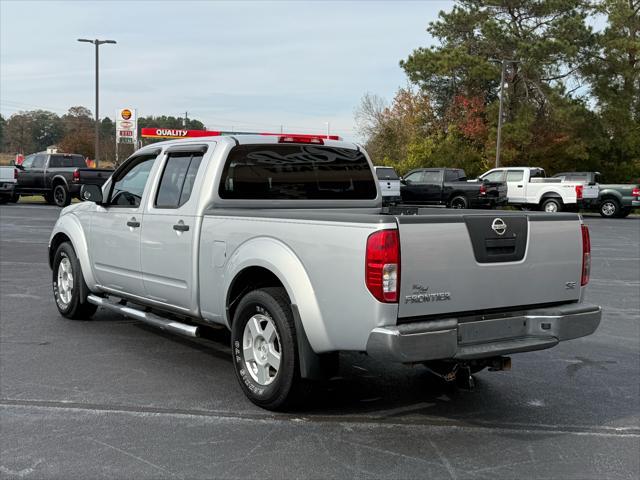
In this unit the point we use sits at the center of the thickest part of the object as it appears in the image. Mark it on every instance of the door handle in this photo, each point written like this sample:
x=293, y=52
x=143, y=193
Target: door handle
x=519, y=186
x=133, y=223
x=181, y=227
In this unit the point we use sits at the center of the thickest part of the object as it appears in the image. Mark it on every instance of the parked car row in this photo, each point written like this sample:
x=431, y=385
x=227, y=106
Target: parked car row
x=527, y=188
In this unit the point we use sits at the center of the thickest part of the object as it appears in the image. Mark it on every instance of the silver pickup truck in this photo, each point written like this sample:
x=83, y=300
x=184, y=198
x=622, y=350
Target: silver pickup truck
x=283, y=241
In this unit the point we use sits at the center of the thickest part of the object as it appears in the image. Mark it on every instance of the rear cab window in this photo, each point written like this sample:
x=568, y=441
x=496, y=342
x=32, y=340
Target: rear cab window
x=296, y=172
x=67, y=161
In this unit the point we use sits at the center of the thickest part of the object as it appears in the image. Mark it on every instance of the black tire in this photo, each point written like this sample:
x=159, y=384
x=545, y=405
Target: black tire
x=609, y=208
x=77, y=307
x=551, y=205
x=61, y=196
x=48, y=197
x=624, y=212
x=286, y=389
x=4, y=199
x=15, y=198
x=459, y=201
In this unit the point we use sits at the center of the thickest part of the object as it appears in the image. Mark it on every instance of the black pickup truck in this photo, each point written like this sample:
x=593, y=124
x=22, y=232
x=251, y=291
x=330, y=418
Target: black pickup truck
x=56, y=176
x=450, y=187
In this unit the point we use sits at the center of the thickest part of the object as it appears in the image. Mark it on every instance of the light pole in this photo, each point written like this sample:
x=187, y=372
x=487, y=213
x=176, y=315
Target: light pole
x=504, y=68
x=97, y=43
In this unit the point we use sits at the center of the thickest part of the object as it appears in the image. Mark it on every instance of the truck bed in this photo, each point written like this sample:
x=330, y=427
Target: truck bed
x=452, y=262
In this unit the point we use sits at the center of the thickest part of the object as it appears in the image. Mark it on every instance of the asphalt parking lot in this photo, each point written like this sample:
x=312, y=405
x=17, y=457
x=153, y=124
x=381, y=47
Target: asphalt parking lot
x=111, y=398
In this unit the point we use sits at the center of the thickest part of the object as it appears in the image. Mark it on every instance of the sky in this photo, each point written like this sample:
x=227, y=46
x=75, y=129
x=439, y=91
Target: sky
x=233, y=65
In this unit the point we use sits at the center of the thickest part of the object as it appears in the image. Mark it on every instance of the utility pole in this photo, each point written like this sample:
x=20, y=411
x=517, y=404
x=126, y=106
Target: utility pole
x=186, y=119
x=97, y=43
x=502, y=75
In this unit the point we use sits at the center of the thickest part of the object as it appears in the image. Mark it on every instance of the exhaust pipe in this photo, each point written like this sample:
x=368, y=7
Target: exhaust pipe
x=165, y=324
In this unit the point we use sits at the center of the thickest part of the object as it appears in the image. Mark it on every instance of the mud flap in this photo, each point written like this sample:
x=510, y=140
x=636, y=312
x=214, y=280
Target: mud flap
x=312, y=365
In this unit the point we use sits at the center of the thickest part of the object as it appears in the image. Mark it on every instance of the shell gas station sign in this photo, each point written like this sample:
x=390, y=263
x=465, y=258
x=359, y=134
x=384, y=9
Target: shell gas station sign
x=126, y=125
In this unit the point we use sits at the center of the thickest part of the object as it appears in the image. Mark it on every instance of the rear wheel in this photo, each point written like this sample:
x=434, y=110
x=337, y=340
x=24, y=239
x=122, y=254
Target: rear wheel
x=48, y=197
x=551, y=205
x=459, y=201
x=265, y=356
x=61, y=196
x=69, y=288
x=609, y=208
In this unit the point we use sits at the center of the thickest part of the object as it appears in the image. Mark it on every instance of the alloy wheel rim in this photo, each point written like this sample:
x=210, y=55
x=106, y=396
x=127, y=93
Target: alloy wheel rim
x=59, y=195
x=608, y=208
x=65, y=281
x=551, y=207
x=262, y=349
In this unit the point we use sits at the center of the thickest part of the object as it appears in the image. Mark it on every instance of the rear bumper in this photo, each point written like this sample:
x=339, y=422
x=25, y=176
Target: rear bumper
x=483, y=337
x=7, y=189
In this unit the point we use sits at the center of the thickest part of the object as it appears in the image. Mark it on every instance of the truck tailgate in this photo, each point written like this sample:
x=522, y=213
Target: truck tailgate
x=453, y=263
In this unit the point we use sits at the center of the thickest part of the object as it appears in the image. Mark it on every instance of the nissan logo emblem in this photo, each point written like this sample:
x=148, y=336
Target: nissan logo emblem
x=499, y=226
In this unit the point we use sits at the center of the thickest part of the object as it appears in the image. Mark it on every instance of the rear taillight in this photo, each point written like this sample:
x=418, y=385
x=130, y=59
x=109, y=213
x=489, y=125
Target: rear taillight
x=586, y=256
x=635, y=192
x=76, y=176
x=483, y=190
x=579, y=189
x=301, y=139
x=382, y=265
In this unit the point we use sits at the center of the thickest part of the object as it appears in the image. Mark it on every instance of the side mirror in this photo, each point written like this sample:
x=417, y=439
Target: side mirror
x=403, y=181
x=91, y=193
x=19, y=166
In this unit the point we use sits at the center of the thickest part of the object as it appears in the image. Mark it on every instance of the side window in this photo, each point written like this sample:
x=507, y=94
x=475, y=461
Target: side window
x=177, y=179
x=497, y=176
x=39, y=161
x=55, y=161
x=452, y=175
x=432, y=178
x=515, y=175
x=415, y=177
x=128, y=188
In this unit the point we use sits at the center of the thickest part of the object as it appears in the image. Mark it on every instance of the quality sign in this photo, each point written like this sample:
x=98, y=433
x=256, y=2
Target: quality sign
x=126, y=125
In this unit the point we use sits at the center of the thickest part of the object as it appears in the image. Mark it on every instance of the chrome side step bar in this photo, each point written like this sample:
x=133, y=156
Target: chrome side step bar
x=165, y=324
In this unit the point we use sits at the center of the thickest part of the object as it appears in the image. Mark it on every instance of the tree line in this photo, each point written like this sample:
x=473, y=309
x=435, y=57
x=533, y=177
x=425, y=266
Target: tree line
x=74, y=132
x=571, y=91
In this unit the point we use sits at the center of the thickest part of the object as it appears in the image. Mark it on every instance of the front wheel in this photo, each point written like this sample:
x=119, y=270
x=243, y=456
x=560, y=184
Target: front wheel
x=609, y=208
x=265, y=356
x=61, y=196
x=459, y=201
x=15, y=198
x=69, y=288
x=551, y=205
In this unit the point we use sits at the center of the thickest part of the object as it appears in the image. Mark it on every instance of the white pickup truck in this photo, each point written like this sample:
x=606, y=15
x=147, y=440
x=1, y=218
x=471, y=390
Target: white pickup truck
x=7, y=184
x=283, y=240
x=528, y=187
